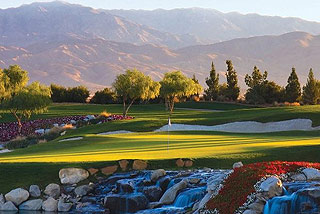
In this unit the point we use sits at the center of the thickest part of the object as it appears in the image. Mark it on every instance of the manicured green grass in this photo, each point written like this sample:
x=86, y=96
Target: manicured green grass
x=40, y=164
x=213, y=105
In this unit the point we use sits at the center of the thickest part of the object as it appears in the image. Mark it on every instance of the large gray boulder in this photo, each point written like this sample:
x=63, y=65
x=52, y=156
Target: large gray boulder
x=34, y=191
x=311, y=173
x=8, y=206
x=170, y=195
x=35, y=204
x=272, y=186
x=50, y=205
x=72, y=175
x=64, y=207
x=52, y=190
x=82, y=190
x=17, y=196
x=237, y=165
x=156, y=174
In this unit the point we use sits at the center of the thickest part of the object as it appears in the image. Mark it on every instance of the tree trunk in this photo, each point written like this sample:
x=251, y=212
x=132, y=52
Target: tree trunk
x=127, y=109
x=124, y=108
x=19, y=122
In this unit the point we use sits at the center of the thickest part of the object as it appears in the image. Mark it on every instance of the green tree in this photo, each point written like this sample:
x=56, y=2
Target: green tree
x=233, y=89
x=310, y=93
x=293, y=89
x=213, y=84
x=59, y=93
x=78, y=94
x=176, y=85
x=3, y=91
x=256, y=78
x=15, y=79
x=22, y=100
x=133, y=85
x=105, y=96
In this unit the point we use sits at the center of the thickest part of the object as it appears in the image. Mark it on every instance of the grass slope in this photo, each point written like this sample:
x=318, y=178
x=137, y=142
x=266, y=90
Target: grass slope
x=211, y=149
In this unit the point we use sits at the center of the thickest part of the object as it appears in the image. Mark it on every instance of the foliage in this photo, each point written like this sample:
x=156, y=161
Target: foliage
x=78, y=94
x=293, y=89
x=233, y=89
x=133, y=85
x=261, y=90
x=105, y=96
x=22, y=100
x=59, y=93
x=241, y=183
x=213, y=84
x=311, y=93
x=176, y=85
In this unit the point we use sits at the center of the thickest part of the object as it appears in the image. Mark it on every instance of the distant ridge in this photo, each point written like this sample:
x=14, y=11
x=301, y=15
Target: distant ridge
x=71, y=45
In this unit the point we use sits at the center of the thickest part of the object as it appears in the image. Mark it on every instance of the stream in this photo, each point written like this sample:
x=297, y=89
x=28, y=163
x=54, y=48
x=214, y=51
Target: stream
x=298, y=198
x=134, y=192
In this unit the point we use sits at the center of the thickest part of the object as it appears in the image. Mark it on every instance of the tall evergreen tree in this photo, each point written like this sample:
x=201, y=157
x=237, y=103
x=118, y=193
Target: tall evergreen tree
x=310, y=93
x=213, y=84
x=233, y=89
x=293, y=89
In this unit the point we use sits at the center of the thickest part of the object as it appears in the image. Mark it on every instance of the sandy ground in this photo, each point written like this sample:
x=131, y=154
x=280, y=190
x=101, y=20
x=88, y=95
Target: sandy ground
x=5, y=151
x=71, y=139
x=247, y=127
x=115, y=132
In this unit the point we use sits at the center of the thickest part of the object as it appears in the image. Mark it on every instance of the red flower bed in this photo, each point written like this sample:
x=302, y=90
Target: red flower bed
x=9, y=131
x=241, y=183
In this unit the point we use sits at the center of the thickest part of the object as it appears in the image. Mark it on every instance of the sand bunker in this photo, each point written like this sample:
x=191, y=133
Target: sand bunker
x=247, y=127
x=115, y=132
x=71, y=139
x=5, y=151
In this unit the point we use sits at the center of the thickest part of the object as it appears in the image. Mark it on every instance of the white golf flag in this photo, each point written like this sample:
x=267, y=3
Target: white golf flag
x=169, y=122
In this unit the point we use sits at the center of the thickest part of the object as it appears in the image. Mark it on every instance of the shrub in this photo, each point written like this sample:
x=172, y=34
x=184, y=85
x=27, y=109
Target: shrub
x=105, y=114
x=59, y=93
x=77, y=94
x=105, y=96
x=21, y=142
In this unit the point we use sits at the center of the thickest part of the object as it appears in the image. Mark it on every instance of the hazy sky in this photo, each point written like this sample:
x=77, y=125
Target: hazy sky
x=306, y=9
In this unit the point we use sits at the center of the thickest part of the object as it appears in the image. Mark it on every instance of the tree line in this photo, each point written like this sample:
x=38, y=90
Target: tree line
x=133, y=86
x=260, y=89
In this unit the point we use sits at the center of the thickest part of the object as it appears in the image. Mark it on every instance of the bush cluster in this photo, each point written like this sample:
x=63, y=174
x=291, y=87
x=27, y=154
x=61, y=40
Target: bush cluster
x=61, y=94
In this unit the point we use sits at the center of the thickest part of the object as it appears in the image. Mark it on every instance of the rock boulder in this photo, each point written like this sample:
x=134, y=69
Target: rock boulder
x=170, y=195
x=139, y=165
x=17, y=196
x=72, y=175
x=8, y=206
x=311, y=173
x=109, y=170
x=156, y=174
x=50, y=205
x=35, y=205
x=272, y=186
x=52, y=190
x=34, y=191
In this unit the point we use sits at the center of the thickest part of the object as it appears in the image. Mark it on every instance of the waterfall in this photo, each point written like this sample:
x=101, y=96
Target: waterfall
x=188, y=197
x=299, y=197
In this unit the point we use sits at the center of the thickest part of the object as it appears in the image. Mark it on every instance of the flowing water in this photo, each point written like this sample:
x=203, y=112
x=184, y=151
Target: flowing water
x=298, y=198
x=133, y=192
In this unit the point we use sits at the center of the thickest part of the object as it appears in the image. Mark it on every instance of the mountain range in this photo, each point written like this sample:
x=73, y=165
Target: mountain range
x=70, y=44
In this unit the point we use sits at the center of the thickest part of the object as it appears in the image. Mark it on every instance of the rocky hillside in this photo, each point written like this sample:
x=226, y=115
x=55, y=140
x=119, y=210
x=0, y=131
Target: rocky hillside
x=211, y=26
x=59, y=21
x=96, y=62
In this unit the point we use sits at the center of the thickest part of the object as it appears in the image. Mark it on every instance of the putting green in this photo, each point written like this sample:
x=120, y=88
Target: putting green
x=153, y=146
